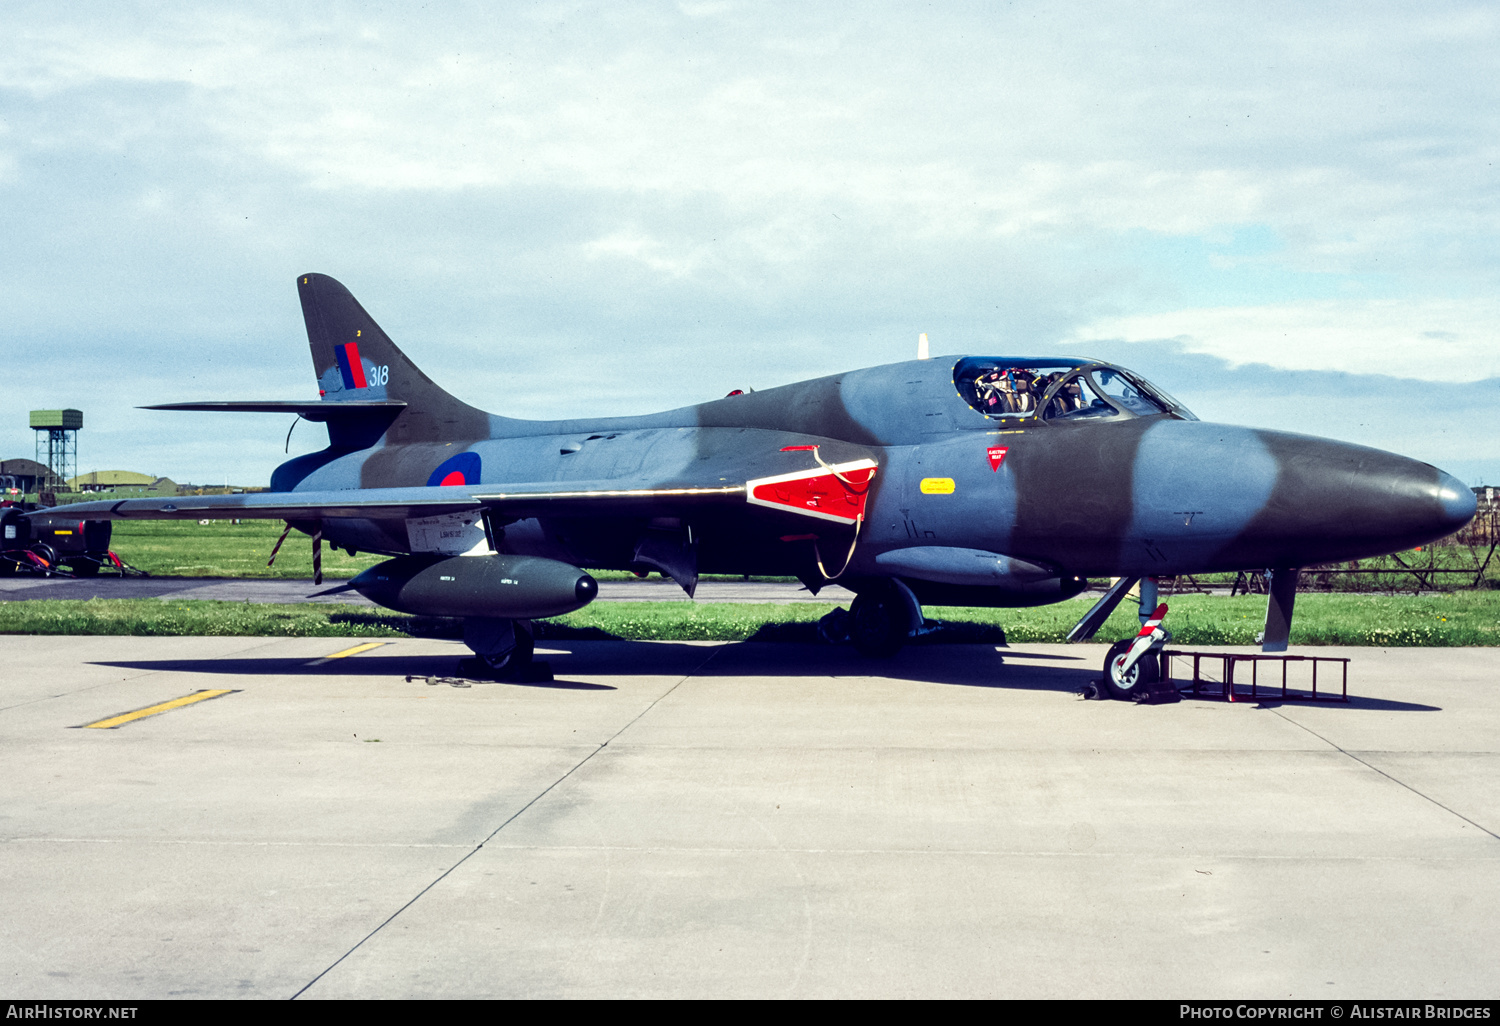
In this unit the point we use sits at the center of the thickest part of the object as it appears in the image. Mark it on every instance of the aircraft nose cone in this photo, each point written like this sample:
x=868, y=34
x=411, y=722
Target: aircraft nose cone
x=1420, y=503
x=1457, y=502
x=1334, y=501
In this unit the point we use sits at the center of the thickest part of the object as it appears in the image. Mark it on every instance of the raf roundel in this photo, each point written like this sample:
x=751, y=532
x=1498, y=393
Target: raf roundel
x=462, y=469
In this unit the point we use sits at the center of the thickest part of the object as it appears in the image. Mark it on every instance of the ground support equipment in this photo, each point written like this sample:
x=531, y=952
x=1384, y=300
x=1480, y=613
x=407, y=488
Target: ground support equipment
x=1230, y=690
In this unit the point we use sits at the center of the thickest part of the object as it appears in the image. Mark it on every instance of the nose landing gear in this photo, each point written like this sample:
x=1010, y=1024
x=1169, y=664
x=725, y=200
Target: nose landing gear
x=1126, y=672
x=1132, y=669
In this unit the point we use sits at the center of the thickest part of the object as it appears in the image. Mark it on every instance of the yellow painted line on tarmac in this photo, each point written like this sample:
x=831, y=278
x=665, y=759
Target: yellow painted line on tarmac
x=161, y=707
x=356, y=650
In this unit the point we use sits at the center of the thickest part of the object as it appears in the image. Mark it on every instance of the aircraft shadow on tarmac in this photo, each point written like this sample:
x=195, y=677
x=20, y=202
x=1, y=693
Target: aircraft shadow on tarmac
x=368, y=666
x=1354, y=703
x=980, y=666
x=958, y=665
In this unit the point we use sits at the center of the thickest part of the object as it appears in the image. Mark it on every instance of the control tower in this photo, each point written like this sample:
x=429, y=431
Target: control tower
x=57, y=444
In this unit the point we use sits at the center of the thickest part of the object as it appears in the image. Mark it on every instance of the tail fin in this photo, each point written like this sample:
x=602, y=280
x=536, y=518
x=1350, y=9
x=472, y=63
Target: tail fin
x=354, y=359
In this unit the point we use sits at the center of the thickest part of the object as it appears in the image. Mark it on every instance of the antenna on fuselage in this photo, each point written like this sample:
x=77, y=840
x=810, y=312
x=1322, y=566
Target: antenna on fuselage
x=922, y=351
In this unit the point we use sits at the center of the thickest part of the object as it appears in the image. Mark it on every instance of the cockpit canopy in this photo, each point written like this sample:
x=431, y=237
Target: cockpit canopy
x=1053, y=389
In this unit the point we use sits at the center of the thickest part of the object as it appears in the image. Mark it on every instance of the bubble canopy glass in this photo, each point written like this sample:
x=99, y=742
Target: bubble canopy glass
x=1019, y=388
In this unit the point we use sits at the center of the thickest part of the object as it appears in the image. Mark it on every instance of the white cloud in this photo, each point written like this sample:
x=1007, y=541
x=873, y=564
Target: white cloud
x=1356, y=140
x=639, y=249
x=519, y=189
x=1430, y=339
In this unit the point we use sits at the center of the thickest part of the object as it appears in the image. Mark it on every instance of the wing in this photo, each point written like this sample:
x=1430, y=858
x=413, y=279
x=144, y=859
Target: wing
x=320, y=410
x=835, y=492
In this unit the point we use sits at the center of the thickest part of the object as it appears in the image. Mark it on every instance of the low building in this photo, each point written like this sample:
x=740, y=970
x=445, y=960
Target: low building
x=26, y=477
x=109, y=480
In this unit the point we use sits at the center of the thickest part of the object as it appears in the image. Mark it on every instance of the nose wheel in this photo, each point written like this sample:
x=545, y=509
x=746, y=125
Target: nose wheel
x=1134, y=665
x=1125, y=683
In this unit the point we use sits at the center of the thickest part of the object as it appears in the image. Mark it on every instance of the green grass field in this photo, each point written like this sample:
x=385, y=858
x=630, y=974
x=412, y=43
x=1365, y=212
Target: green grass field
x=222, y=548
x=1463, y=618
x=226, y=549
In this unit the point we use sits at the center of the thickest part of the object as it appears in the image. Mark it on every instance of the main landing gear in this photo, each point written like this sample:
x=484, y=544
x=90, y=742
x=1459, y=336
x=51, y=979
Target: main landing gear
x=882, y=616
x=504, y=647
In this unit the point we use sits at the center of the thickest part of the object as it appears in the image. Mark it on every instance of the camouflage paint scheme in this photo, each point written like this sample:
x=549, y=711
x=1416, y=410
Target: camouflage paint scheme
x=1121, y=496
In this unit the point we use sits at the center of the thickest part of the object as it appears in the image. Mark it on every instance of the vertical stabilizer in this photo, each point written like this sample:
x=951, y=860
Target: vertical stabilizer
x=354, y=359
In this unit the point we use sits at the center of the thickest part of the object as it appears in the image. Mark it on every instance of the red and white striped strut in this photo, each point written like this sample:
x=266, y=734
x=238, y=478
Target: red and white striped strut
x=1151, y=632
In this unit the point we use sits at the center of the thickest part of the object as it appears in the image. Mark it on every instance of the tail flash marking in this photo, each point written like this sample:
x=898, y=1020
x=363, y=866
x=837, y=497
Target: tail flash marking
x=349, y=365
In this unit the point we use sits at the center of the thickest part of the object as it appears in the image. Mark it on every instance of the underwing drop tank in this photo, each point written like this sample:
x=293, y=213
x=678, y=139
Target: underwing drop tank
x=499, y=586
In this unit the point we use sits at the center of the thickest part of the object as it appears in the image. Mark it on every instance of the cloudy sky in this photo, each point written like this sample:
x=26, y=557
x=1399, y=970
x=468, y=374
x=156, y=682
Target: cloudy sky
x=1284, y=214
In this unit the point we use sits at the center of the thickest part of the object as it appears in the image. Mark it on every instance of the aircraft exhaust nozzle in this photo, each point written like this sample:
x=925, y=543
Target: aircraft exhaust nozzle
x=500, y=586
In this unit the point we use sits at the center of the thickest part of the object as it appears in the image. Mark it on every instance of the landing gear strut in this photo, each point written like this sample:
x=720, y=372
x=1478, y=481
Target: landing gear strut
x=505, y=647
x=1134, y=664
x=881, y=618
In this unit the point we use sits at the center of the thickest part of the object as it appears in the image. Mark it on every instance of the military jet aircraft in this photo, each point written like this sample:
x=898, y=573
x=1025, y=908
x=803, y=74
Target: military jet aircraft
x=973, y=481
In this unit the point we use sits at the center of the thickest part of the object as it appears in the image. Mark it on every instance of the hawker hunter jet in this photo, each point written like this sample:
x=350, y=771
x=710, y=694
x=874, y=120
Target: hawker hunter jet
x=973, y=481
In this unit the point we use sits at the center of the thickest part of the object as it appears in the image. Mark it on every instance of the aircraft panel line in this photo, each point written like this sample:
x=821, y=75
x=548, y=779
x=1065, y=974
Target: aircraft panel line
x=1383, y=773
x=510, y=819
x=749, y=849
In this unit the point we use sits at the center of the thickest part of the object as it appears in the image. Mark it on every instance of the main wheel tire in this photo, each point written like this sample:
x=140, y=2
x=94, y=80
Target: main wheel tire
x=505, y=659
x=514, y=661
x=877, y=623
x=1147, y=670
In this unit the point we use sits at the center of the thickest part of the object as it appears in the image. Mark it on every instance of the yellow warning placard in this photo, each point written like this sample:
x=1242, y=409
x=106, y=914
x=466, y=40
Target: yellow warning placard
x=937, y=486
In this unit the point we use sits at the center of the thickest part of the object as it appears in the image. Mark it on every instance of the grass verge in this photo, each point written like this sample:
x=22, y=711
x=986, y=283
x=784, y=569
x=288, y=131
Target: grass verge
x=223, y=548
x=1457, y=619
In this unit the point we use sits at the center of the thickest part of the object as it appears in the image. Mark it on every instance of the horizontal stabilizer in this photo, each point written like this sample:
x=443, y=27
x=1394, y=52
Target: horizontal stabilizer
x=315, y=410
